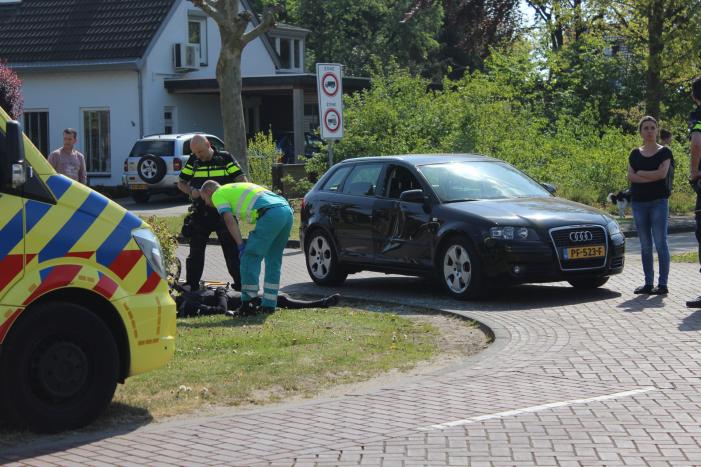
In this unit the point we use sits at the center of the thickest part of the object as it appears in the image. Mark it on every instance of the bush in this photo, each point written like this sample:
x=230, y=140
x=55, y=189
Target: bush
x=10, y=92
x=262, y=154
x=169, y=242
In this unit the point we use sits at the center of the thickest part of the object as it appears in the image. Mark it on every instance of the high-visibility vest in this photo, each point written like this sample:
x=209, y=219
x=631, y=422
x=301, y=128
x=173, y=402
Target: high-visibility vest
x=241, y=197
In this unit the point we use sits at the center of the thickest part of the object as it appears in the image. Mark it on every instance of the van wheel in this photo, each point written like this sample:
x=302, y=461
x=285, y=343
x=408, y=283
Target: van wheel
x=59, y=367
x=322, y=263
x=151, y=168
x=588, y=282
x=459, y=269
x=140, y=196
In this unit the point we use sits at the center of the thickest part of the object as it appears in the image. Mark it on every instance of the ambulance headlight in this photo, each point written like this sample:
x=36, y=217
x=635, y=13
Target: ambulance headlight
x=151, y=247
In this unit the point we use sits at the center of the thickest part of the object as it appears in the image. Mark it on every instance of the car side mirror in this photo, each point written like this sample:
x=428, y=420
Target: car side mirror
x=551, y=188
x=413, y=196
x=12, y=155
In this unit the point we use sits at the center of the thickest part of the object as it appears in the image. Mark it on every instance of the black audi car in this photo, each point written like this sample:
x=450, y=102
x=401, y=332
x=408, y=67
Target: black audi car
x=468, y=220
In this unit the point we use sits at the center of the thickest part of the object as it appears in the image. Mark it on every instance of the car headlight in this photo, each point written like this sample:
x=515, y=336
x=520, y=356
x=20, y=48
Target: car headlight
x=615, y=231
x=151, y=248
x=614, y=228
x=512, y=233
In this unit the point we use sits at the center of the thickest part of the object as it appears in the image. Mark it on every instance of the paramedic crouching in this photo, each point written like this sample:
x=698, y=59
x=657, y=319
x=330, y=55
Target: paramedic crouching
x=272, y=216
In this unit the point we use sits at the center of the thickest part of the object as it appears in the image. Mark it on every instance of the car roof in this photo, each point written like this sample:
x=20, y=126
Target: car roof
x=423, y=159
x=175, y=136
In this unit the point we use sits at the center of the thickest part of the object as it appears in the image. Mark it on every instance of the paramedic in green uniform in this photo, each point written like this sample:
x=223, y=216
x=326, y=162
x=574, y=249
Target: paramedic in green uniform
x=272, y=216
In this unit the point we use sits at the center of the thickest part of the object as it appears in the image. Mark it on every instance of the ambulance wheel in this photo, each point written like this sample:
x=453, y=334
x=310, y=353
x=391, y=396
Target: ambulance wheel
x=59, y=368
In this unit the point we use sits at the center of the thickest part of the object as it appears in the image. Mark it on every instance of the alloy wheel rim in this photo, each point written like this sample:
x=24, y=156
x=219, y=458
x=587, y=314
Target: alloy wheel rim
x=457, y=269
x=148, y=169
x=319, y=257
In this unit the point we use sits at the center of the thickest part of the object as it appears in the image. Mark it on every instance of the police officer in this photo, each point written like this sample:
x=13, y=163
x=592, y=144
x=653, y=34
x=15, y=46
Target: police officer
x=272, y=216
x=695, y=177
x=206, y=163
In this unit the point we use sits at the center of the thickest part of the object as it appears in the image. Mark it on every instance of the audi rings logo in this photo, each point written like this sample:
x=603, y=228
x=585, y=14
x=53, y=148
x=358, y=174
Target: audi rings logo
x=581, y=236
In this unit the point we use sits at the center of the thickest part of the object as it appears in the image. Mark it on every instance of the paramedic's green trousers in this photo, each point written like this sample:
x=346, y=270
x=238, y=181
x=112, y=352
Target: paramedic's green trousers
x=267, y=241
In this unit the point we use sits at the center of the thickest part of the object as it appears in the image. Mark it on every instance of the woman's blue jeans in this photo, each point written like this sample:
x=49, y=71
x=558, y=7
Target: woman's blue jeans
x=651, y=219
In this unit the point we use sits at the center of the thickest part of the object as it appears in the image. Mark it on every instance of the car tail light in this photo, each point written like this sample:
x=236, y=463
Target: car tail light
x=126, y=165
x=177, y=164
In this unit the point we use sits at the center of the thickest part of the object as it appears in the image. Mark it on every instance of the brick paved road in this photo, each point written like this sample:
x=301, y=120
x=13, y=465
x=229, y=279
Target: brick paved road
x=574, y=378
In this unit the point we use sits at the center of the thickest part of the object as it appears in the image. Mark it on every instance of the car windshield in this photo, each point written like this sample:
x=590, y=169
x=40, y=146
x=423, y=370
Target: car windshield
x=471, y=181
x=155, y=147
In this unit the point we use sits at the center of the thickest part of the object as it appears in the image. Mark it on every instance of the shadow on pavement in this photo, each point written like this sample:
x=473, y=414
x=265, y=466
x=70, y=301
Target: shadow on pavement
x=412, y=289
x=691, y=322
x=118, y=419
x=641, y=303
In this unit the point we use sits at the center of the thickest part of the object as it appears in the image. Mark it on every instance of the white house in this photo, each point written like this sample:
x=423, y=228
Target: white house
x=118, y=70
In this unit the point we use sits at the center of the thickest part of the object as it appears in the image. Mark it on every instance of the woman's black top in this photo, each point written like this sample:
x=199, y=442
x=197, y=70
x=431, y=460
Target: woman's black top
x=652, y=190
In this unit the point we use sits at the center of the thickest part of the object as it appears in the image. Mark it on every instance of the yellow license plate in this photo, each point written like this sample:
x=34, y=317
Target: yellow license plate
x=139, y=186
x=585, y=252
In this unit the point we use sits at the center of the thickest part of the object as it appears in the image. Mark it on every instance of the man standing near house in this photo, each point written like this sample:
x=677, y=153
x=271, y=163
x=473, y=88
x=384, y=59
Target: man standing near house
x=67, y=160
x=206, y=163
x=695, y=169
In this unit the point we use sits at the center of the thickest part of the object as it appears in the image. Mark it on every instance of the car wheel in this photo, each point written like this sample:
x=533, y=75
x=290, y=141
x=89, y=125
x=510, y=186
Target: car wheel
x=588, y=282
x=59, y=368
x=151, y=168
x=459, y=270
x=322, y=263
x=140, y=196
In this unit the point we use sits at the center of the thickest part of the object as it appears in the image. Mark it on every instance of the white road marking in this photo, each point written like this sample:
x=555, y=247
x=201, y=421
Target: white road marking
x=536, y=408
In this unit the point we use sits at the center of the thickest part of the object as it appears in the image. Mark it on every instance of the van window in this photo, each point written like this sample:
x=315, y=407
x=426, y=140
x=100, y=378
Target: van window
x=363, y=180
x=335, y=180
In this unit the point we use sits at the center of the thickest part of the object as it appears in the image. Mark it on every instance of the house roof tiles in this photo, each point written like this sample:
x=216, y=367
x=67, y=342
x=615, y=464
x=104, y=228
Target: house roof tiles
x=78, y=30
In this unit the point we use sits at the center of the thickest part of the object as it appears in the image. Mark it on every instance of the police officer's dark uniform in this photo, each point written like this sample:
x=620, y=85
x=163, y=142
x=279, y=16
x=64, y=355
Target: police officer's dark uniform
x=223, y=169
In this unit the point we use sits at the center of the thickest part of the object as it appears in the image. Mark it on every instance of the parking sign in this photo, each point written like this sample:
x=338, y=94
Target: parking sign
x=330, y=95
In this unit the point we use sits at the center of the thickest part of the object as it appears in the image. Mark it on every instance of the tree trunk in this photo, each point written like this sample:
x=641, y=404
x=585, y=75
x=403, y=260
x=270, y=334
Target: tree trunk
x=654, y=88
x=231, y=103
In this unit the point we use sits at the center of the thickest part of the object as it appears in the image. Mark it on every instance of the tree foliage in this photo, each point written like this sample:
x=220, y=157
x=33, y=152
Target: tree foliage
x=10, y=92
x=353, y=33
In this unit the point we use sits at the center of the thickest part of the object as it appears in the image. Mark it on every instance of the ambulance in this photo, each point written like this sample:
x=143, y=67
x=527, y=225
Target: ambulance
x=83, y=300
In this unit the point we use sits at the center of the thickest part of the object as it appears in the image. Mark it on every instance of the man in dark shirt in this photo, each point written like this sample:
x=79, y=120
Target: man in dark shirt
x=206, y=163
x=695, y=177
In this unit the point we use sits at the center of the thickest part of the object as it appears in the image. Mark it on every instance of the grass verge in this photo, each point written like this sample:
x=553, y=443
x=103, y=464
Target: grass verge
x=229, y=362
x=689, y=257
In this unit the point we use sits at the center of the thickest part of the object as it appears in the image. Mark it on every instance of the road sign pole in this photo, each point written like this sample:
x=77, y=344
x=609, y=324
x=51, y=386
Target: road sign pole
x=331, y=143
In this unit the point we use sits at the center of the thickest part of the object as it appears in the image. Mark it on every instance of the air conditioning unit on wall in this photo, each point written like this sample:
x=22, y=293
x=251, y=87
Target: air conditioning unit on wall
x=186, y=57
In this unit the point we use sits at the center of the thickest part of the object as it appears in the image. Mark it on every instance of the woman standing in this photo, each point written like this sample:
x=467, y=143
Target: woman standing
x=648, y=167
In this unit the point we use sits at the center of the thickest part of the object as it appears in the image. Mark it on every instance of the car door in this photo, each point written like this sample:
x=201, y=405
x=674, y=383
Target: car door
x=403, y=231
x=352, y=213
x=11, y=226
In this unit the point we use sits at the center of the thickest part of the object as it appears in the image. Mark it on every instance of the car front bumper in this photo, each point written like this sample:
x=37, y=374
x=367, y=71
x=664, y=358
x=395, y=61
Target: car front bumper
x=523, y=262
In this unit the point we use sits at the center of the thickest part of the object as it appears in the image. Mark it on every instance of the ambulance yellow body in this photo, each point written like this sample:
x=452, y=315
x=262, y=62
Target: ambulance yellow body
x=83, y=302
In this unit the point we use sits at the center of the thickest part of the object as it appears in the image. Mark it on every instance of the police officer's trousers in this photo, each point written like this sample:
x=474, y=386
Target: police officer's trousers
x=268, y=242
x=201, y=228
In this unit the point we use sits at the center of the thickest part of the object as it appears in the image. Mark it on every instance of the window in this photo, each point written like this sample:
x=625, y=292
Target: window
x=96, y=143
x=363, y=180
x=197, y=34
x=400, y=179
x=290, y=53
x=36, y=126
x=335, y=180
x=285, y=53
x=169, y=120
